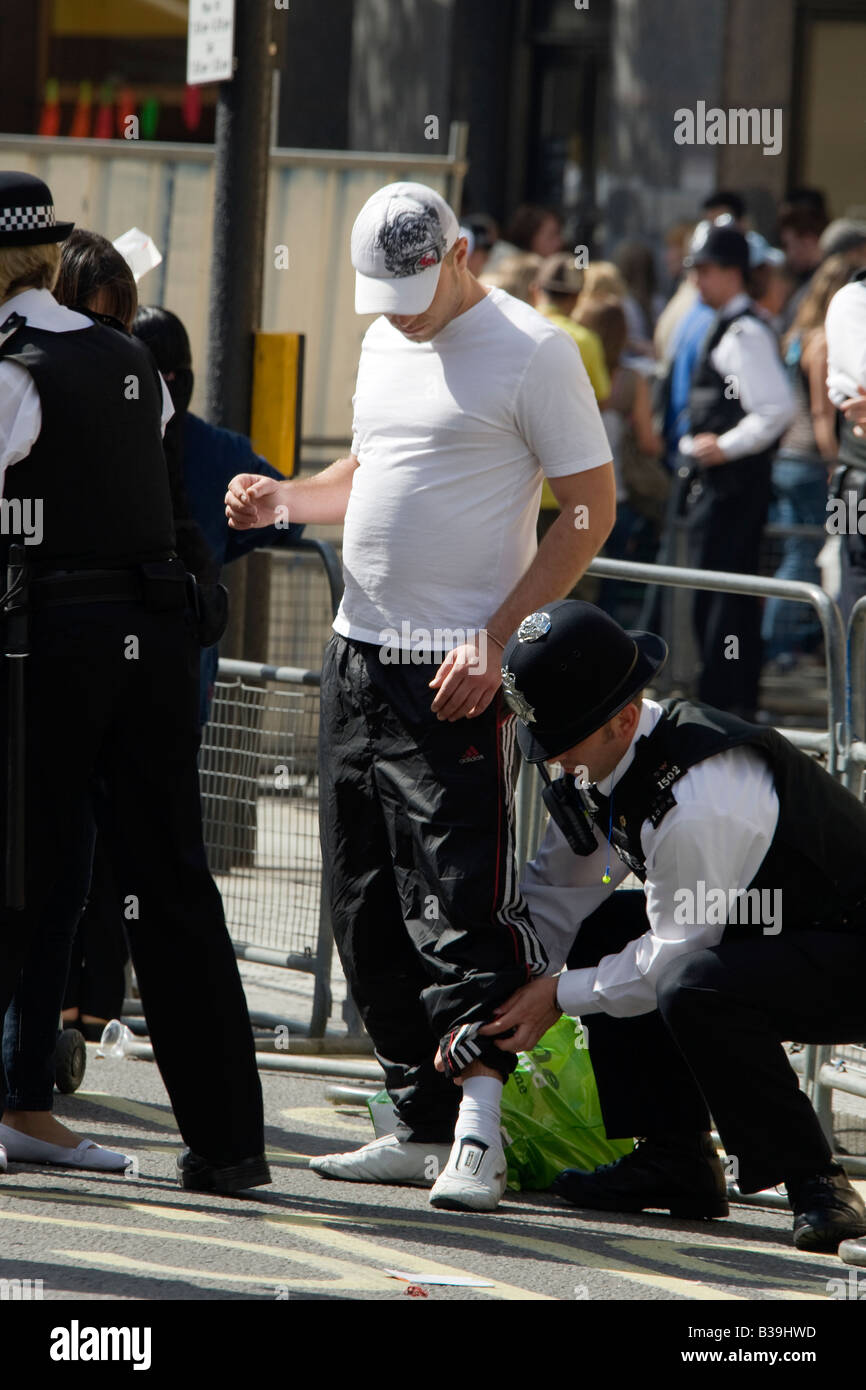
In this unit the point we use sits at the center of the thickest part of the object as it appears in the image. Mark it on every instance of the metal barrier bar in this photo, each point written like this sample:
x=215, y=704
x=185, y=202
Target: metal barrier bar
x=856, y=692
x=258, y=671
x=828, y=1075
x=316, y=958
x=265, y=717
x=681, y=577
x=330, y=562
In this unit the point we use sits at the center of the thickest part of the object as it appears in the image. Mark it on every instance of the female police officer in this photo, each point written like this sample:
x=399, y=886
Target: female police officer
x=100, y=681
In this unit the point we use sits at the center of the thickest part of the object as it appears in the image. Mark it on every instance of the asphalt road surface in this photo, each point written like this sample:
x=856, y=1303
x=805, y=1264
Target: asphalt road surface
x=141, y=1238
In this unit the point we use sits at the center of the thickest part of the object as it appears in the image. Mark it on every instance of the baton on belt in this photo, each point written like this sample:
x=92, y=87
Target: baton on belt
x=17, y=649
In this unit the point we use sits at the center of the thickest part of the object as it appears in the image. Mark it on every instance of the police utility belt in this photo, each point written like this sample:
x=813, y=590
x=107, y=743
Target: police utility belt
x=160, y=586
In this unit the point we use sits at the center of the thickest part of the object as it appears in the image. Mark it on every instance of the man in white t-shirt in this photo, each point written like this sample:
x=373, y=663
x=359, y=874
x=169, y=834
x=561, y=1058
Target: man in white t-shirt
x=466, y=400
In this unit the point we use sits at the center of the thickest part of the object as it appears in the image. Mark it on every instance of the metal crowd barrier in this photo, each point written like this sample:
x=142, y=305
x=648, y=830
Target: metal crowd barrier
x=259, y=782
x=841, y=1070
x=831, y=747
x=259, y=788
x=757, y=586
x=302, y=606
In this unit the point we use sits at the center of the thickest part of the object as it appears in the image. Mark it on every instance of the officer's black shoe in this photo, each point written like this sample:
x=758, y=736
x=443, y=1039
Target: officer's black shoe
x=826, y=1210
x=681, y=1174
x=197, y=1174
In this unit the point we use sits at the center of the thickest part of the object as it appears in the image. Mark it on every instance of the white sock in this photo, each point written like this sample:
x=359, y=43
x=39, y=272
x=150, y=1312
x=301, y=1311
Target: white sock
x=478, y=1116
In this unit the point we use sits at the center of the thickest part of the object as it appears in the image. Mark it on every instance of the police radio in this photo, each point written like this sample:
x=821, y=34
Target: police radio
x=568, y=807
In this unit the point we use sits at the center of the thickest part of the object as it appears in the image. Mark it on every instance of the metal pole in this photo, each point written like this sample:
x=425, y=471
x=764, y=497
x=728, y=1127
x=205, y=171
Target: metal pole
x=856, y=687
x=243, y=122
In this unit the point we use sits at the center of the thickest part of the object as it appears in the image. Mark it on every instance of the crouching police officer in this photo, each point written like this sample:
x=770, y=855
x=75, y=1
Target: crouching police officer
x=751, y=927
x=101, y=636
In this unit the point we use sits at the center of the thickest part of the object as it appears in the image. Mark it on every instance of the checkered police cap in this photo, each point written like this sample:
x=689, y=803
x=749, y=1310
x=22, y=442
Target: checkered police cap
x=27, y=215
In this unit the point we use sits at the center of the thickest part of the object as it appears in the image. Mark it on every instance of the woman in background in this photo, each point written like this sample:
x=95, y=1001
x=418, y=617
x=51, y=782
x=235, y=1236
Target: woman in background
x=627, y=416
x=807, y=452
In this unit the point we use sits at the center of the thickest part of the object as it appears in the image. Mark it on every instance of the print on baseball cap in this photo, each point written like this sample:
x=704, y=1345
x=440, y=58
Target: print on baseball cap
x=399, y=241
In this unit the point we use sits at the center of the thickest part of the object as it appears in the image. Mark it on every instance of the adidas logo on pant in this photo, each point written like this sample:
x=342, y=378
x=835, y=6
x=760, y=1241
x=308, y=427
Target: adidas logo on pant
x=472, y=755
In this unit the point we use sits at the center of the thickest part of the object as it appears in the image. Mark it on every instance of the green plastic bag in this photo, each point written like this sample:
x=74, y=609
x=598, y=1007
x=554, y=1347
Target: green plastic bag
x=551, y=1114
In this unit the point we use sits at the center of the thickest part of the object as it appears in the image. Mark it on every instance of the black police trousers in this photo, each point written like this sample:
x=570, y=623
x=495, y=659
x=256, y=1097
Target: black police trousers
x=417, y=844
x=112, y=695
x=726, y=520
x=714, y=1045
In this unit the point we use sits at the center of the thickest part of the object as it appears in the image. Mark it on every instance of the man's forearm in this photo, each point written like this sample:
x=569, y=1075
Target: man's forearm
x=322, y=498
x=562, y=558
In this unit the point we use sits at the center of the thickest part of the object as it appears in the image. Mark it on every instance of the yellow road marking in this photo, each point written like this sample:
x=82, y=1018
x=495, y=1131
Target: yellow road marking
x=669, y=1251
x=567, y=1254
x=33, y=1194
x=345, y=1277
x=331, y=1231
x=325, y=1117
x=138, y=1109
x=321, y=1234
x=327, y=1231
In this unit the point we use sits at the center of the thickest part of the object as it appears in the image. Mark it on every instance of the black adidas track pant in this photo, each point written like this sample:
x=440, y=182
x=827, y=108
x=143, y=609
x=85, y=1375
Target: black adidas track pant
x=416, y=820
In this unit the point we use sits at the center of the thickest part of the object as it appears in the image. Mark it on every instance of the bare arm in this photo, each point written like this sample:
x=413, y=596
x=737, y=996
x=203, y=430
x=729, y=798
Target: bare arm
x=588, y=512
x=256, y=501
x=823, y=409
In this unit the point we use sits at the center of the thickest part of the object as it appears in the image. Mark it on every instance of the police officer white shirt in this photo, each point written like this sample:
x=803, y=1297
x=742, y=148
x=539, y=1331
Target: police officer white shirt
x=717, y=834
x=747, y=359
x=20, y=406
x=845, y=327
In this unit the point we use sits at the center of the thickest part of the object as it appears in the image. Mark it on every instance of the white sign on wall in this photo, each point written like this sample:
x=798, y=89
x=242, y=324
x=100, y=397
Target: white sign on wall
x=210, y=40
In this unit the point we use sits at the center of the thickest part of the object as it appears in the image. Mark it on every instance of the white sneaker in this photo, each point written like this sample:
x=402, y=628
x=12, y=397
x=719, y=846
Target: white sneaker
x=474, y=1179
x=389, y=1160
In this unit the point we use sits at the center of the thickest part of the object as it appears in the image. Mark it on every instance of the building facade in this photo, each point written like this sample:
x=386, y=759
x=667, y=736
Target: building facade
x=572, y=103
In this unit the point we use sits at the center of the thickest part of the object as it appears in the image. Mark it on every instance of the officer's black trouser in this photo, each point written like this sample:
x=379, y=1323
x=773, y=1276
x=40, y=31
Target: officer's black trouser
x=715, y=1043
x=726, y=521
x=416, y=821
x=95, y=982
x=112, y=692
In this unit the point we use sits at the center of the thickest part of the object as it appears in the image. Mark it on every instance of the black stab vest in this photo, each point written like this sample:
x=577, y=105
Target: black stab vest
x=818, y=853
x=713, y=409
x=98, y=465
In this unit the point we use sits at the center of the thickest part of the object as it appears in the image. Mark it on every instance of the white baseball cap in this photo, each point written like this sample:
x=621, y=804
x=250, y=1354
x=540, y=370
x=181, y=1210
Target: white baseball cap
x=399, y=241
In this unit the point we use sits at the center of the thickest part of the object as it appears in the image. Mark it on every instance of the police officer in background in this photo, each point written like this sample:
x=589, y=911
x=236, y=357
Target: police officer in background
x=739, y=404
x=845, y=327
x=101, y=636
x=751, y=927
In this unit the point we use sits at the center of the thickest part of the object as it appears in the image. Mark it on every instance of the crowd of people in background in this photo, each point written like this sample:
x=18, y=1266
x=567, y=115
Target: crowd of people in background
x=642, y=324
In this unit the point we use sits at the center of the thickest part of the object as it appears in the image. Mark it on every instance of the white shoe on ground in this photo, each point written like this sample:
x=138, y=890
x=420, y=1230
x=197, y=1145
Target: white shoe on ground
x=21, y=1148
x=387, y=1160
x=474, y=1178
